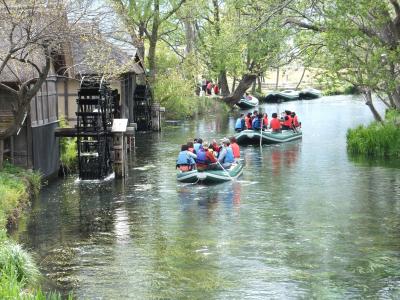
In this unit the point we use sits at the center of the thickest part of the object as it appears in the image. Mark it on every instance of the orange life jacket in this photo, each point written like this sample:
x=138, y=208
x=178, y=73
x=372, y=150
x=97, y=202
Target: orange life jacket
x=265, y=121
x=288, y=122
x=275, y=124
x=248, y=122
x=235, y=150
x=296, y=121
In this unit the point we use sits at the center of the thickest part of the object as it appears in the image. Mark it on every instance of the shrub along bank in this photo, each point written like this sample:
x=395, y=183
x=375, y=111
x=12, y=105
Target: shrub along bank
x=19, y=275
x=381, y=140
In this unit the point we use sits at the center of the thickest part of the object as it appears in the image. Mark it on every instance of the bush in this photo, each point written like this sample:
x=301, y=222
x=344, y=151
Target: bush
x=377, y=139
x=68, y=151
x=16, y=262
x=16, y=187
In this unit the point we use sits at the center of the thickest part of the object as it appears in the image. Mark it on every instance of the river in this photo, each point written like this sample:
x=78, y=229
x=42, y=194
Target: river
x=304, y=220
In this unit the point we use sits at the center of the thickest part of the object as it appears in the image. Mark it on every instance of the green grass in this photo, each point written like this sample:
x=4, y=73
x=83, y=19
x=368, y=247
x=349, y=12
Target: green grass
x=16, y=187
x=19, y=275
x=381, y=140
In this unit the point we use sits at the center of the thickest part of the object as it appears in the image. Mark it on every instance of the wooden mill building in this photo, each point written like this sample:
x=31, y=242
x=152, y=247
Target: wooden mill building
x=35, y=145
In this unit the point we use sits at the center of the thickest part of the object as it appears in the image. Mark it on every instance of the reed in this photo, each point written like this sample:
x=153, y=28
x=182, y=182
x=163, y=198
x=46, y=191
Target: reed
x=381, y=140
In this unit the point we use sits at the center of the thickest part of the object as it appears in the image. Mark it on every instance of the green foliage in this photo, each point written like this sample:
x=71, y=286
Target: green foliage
x=18, y=263
x=16, y=186
x=68, y=151
x=377, y=139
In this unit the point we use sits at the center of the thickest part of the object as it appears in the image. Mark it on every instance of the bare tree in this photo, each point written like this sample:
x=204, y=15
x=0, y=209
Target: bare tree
x=30, y=36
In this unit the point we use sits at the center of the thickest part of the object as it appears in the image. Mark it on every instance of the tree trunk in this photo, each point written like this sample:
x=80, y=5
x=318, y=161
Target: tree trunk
x=190, y=35
x=259, y=84
x=223, y=84
x=277, y=78
x=253, y=87
x=396, y=98
x=244, y=84
x=234, y=83
x=368, y=101
x=301, y=79
x=1, y=153
x=152, y=58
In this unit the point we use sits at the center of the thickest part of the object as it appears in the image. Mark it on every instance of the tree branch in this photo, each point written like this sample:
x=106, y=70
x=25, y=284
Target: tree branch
x=172, y=11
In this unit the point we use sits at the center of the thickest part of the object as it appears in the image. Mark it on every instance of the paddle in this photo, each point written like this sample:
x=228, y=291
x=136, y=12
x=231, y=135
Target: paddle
x=230, y=177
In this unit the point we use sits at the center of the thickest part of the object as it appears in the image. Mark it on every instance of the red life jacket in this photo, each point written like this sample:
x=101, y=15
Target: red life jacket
x=235, y=150
x=248, y=122
x=288, y=122
x=296, y=121
x=265, y=121
x=275, y=124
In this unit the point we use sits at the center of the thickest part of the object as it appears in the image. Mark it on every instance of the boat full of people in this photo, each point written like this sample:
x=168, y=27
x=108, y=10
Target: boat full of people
x=256, y=128
x=211, y=176
x=267, y=136
x=206, y=163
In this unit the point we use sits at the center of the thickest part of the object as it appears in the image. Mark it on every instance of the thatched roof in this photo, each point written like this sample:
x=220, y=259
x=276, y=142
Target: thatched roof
x=97, y=56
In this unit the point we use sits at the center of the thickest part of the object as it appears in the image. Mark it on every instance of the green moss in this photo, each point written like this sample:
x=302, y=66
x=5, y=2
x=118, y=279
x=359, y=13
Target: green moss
x=378, y=139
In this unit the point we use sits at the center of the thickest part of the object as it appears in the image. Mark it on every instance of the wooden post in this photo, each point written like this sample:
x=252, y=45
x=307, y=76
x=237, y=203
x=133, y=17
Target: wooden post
x=119, y=154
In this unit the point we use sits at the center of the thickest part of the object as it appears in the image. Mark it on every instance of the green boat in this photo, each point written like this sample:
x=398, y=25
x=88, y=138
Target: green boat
x=250, y=136
x=218, y=176
x=248, y=102
x=310, y=94
x=211, y=176
x=187, y=177
x=278, y=97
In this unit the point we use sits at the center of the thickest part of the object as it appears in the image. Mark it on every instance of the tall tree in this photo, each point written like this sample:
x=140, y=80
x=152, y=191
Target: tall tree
x=353, y=41
x=144, y=20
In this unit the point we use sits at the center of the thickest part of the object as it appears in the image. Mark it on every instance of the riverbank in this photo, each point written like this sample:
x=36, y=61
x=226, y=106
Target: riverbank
x=19, y=275
x=380, y=140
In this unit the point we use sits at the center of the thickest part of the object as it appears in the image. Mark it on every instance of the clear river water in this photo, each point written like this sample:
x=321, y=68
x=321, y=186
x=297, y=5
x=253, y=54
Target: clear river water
x=305, y=220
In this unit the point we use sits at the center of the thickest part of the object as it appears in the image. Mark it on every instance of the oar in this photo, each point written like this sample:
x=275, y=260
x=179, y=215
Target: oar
x=224, y=170
x=261, y=130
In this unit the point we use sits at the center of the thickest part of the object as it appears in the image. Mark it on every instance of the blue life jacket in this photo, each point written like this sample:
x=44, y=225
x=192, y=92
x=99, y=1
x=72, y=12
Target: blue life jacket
x=229, y=158
x=184, y=159
x=256, y=124
x=201, y=156
x=196, y=147
x=238, y=124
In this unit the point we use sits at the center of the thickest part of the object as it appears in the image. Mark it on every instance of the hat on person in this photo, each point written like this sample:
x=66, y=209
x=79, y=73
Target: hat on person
x=225, y=141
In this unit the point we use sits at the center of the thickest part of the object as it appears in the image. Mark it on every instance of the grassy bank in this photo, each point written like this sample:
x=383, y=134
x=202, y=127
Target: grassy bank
x=192, y=106
x=19, y=275
x=381, y=140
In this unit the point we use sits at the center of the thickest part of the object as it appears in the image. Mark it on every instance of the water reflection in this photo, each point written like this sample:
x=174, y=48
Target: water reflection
x=303, y=221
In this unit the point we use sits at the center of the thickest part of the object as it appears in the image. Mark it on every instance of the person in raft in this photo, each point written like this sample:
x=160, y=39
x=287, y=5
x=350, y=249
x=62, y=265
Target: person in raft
x=240, y=124
x=247, y=120
x=257, y=122
x=186, y=159
x=275, y=124
x=205, y=158
x=295, y=120
x=197, y=144
x=265, y=121
x=235, y=147
x=287, y=120
x=225, y=157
